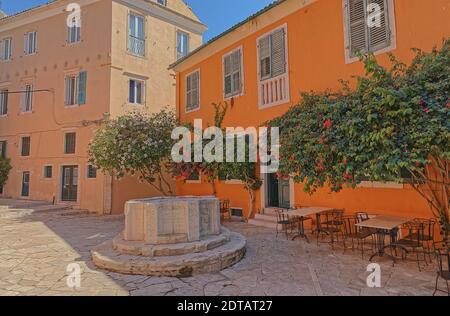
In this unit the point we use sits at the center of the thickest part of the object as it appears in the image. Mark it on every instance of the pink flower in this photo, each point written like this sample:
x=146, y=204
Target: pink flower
x=327, y=124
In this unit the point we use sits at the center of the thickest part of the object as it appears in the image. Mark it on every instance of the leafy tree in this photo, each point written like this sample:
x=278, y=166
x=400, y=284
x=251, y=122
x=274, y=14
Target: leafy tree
x=5, y=168
x=245, y=172
x=395, y=121
x=136, y=144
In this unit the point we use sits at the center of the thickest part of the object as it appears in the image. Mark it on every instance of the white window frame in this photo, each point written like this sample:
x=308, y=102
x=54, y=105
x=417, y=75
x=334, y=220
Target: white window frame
x=241, y=71
x=74, y=90
x=31, y=50
x=186, y=91
x=143, y=91
x=392, y=25
x=74, y=30
x=144, y=27
x=258, y=67
x=27, y=99
x=188, y=37
x=6, y=53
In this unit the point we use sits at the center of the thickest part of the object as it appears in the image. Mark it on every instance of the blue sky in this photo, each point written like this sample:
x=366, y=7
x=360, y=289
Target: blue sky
x=219, y=15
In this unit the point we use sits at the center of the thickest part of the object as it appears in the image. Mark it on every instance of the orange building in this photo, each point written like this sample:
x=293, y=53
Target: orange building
x=265, y=62
x=59, y=81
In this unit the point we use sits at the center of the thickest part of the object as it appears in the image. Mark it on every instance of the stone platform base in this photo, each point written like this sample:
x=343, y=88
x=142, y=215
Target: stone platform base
x=179, y=260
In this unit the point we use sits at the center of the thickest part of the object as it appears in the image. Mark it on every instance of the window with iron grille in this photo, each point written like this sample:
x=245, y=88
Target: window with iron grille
x=70, y=143
x=48, y=172
x=232, y=64
x=26, y=145
x=136, y=34
x=193, y=91
x=368, y=25
x=91, y=172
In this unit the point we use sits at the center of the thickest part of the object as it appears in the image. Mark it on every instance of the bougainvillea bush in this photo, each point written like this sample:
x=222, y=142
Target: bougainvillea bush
x=393, y=126
x=136, y=144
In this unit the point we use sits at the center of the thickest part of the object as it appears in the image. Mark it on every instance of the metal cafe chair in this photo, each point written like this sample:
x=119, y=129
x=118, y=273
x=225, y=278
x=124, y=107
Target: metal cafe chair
x=329, y=223
x=442, y=253
x=225, y=208
x=428, y=236
x=355, y=233
x=413, y=240
x=285, y=221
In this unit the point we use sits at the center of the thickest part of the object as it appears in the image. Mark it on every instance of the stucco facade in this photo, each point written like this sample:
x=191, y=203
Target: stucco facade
x=103, y=55
x=316, y=58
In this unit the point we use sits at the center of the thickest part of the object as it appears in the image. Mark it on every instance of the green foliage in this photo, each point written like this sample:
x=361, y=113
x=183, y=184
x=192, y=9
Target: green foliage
x=394, y=119
x=5, y=168
x=136, y=144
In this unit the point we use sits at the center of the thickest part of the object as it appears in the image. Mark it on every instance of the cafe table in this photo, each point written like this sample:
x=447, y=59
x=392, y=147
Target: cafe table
x=384, y=226
x=304, y=212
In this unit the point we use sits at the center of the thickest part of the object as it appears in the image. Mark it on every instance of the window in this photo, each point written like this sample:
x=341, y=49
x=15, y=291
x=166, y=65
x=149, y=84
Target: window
x=232, y=64
x=182, y=44
x=162, y=2
x=1, y=189
x=367, y=30
x=136, y=35
x=30, y=45
x=136, y=92
x=5, y=49
x=3, y=148
x=76, y=89
x=91, y=172
x=3, y=102
x=70, y=143
x=48, y=172
x=193, y=91
x=272, y=54
x=74, y=31
x=27, y=98
x=26, y=145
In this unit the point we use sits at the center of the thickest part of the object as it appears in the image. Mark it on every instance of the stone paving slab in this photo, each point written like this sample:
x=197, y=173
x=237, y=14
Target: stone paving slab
x=37, y=247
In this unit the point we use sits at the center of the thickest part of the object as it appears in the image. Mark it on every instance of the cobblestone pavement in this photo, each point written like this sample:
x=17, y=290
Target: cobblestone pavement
x=37, y=245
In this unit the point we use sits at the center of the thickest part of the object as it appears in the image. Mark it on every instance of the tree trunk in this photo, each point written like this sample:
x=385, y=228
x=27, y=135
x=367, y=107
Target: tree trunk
x=251, y=203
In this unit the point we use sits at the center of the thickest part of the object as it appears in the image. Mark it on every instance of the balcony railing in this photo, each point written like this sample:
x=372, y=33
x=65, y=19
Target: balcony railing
x=274, y=91
x=136, y=45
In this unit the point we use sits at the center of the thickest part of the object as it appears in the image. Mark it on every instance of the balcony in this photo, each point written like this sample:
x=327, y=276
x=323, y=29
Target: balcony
x=136, y=46
x=274, y=91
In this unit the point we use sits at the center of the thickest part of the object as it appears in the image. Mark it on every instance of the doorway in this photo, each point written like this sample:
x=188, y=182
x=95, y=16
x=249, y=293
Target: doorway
x=69, y=192
x=25, y=192
x=277, y=191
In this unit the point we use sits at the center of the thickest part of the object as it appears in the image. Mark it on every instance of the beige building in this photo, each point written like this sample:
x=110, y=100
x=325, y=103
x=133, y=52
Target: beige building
x=62, y=73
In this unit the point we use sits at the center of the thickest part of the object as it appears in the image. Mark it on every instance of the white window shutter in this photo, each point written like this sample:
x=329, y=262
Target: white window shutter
x=278, y=51
x=379, y=37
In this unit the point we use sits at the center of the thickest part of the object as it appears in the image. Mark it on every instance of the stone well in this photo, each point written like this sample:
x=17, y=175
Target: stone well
x=175, y=236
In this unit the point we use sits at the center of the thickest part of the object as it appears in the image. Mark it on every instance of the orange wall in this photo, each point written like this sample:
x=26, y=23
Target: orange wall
x=316, y=62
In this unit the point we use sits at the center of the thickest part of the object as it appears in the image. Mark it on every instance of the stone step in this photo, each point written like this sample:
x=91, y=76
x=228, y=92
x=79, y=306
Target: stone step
x=137, y=248
x=262, y=223
x=267, y=218
x=104, y=256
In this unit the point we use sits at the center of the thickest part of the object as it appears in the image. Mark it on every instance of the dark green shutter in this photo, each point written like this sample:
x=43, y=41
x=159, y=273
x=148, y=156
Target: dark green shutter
x=82, y=80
